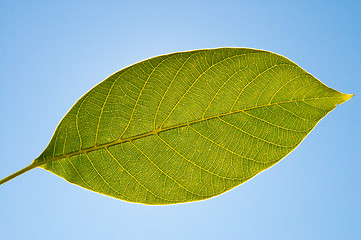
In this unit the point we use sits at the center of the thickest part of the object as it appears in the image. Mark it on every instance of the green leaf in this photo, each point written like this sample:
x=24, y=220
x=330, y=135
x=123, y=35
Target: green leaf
x=187, y=126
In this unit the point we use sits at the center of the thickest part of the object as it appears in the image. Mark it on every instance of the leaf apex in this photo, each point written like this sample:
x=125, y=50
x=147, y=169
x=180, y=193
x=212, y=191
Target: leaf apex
x=347, y=97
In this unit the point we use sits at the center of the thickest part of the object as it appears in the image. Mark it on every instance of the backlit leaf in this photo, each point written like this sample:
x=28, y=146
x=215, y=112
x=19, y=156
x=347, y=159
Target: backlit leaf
x=187, y=126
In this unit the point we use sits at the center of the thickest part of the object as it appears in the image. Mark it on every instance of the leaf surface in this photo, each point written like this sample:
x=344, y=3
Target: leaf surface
x=187, y=126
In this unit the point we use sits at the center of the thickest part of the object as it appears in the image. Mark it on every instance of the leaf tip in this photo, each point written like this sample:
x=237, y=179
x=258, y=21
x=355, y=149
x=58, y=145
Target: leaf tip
x=347, y=97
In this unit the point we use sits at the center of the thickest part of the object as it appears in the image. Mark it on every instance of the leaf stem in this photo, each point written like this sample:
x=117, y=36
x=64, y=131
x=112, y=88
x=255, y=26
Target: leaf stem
x=24, y=170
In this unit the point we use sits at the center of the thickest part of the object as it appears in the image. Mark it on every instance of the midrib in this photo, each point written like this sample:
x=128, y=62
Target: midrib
x=119, y=141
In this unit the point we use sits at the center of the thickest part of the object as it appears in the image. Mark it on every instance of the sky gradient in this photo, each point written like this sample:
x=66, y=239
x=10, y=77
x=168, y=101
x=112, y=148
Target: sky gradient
x=53, y=52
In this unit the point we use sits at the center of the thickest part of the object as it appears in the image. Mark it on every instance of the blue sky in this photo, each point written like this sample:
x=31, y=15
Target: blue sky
x=52, y=52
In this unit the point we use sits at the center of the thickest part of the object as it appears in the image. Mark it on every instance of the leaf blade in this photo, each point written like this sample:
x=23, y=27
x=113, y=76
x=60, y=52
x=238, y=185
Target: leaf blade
x=187, y=126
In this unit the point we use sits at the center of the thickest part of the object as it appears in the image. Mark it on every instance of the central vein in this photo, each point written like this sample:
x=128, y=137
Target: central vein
x=154, y=132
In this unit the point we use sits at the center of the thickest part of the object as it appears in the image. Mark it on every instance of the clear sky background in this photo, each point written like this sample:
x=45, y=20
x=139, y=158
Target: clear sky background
x=52, y=52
